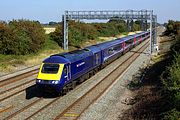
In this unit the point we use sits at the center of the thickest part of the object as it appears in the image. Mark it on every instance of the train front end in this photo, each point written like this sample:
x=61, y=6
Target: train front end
x=52, y=74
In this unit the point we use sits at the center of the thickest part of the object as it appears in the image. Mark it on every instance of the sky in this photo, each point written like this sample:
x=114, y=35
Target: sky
x=52, y=10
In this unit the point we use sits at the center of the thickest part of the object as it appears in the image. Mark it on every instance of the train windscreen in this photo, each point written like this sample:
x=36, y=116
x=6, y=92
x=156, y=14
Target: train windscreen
x=50, y=68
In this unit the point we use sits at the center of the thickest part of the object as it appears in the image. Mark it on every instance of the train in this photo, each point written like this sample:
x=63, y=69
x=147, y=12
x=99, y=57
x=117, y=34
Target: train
x=61, y=72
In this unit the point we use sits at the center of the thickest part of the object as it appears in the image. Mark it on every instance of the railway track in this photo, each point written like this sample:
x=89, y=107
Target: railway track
x=12, y=88
x=29, y=106
x=23, y=109
x=12, y=91
x=17, y=78
x=13, y=85
x=80, y=105
x=6, y=109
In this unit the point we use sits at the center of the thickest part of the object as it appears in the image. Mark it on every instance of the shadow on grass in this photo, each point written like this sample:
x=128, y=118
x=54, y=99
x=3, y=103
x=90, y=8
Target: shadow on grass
x=152, y=100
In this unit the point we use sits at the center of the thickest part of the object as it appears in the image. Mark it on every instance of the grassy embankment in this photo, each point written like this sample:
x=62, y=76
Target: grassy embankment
x=158, y=94
x=10, y=63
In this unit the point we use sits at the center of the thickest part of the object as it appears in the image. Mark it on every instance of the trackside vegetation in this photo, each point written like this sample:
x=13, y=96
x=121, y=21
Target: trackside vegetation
x=80, y=32
x=21, y=37
x=24, y=43
x=157, y=95
x=172, y=80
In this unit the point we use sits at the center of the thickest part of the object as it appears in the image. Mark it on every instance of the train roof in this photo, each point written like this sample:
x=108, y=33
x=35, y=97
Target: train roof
x=141, y=33
x=109, y=43
x=94, y=49
x=114, y=42
x=69, y=57
x=56, y=59
x=119, y=40
x=127, y=37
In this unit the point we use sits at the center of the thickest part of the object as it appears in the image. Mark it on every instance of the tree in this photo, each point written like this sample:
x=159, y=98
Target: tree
x=57, y=35
x=21, y=37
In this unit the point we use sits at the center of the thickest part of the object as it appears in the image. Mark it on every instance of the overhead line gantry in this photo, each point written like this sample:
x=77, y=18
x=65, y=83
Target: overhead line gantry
x=129, y=15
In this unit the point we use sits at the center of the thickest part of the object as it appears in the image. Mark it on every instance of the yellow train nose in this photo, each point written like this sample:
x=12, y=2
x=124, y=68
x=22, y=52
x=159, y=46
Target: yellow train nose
x=50, y=71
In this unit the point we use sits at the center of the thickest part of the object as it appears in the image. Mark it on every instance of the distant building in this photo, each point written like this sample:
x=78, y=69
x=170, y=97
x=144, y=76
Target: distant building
x=49, y=29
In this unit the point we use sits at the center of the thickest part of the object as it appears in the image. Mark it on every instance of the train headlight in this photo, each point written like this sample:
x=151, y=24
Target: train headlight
x=54, y=82
x=38, y=81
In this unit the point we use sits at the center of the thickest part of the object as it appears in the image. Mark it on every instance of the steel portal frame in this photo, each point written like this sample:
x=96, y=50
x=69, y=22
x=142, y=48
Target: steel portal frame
x=129, y=15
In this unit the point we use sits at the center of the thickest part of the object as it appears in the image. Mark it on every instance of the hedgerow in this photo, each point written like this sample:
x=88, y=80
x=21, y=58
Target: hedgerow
x=172, y=82
x=21, y=37
x=80, y=32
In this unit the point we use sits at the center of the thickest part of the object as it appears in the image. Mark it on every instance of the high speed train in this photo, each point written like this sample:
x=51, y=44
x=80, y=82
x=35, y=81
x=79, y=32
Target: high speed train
x=60, y=72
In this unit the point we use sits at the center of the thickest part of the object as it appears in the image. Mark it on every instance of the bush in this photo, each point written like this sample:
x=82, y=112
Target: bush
x=80, y=32
x=112, y=28
x=172, y=88
x=172, y=82
x=172, y=27
x=21, y=37
x=57, y=35
x=7, y=39
x=175, y=47
x=172, y=115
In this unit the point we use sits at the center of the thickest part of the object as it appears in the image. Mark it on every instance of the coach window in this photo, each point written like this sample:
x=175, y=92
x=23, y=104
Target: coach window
x=139, y=37
x=129, y=42
x=97, y=58
x=111, y=51
x=117, y=48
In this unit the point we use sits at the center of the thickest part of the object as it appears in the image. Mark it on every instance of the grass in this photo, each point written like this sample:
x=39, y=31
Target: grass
x=160, y=57
x=102, y=39
x=9, y=63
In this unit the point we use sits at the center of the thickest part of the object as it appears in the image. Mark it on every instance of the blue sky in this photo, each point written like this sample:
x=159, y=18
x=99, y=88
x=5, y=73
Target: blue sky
x=52, y=10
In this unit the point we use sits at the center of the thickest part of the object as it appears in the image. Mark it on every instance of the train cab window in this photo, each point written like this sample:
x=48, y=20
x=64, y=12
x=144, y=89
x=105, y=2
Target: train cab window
x=50, y=68
x=65, y=70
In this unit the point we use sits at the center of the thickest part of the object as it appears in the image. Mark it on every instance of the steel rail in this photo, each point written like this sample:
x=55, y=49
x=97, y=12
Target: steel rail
x=24, y=108
x=17, y=78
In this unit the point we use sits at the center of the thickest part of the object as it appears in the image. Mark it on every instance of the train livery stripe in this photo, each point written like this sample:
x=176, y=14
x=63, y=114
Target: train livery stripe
x=45, y=76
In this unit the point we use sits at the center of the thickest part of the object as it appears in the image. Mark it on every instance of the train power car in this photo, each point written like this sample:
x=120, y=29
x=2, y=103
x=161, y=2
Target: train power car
x=62, y=71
